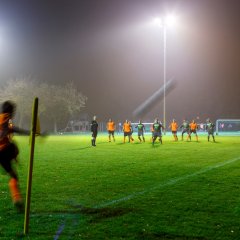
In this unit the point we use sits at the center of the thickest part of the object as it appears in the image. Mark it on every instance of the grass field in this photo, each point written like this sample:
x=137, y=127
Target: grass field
x=178, y=190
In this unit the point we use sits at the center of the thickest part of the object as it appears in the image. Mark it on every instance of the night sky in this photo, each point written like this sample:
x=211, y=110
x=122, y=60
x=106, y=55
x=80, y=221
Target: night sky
x=114, y=55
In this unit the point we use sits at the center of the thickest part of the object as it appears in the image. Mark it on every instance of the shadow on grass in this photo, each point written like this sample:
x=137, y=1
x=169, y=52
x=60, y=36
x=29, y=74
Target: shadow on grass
x=78, y=149
x=95, y=214
x=168, y=236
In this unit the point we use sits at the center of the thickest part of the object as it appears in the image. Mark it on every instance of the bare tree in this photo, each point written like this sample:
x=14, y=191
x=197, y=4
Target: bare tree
x=20, y=91
x=57, y=103
x=73, y=99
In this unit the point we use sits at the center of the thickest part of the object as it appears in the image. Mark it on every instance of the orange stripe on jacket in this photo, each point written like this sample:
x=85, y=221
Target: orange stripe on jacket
x=4, y=130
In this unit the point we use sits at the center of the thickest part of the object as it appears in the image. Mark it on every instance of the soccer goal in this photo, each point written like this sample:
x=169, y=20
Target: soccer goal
x=228, y=126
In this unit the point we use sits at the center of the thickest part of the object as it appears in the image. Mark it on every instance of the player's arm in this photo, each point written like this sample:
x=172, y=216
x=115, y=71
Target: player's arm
x=19, y=131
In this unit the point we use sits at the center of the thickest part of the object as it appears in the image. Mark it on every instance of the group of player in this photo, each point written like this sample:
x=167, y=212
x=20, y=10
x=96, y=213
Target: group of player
x=157, y=128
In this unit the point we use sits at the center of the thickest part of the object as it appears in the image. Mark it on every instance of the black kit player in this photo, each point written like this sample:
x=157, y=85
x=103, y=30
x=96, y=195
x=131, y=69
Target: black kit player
x=185, y=128
x=94, y=130
x=157, y=128
x=9, y=151
x=141, y=128
x=210, y=129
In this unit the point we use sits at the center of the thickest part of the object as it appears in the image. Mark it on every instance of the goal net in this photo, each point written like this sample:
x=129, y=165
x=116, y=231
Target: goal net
x=228, y=126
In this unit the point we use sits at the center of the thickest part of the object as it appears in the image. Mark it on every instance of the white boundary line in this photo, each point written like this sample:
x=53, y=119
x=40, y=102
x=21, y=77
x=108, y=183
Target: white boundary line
x=159, y=186
x=168, y=183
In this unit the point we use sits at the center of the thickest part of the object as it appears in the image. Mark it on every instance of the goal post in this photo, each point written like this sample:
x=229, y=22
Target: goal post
x=228, y=126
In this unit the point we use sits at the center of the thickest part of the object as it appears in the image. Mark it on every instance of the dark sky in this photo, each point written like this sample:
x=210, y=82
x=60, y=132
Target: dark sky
x=115, y=56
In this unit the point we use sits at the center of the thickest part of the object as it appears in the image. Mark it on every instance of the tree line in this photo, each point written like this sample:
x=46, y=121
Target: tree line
x=57, y=103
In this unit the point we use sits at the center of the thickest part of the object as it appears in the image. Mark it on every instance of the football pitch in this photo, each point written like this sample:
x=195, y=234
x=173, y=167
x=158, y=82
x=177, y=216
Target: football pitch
x=178, y=190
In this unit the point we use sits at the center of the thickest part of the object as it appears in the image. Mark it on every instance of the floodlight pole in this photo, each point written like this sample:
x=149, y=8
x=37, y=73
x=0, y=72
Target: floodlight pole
x=164, y=75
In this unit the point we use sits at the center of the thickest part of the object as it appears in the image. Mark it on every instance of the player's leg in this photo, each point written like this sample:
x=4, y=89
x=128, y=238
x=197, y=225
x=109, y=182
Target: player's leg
x=113, y=136
x=15, y=191
x=213, y=137
x=189, y=135
x=160, y=139
x=143, y=137
x=109, y=136
x=208, y=137
x=176, y=137
x=131, y=138
x=196, y=136
x=139, y=137
x=94, y=138
x=7, y=157
x=154, y=139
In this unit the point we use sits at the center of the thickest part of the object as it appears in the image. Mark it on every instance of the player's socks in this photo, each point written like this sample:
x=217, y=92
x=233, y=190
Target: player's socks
x=213, y=138
x=144, y=139
x=16, y=195
x=208, y=138
x=197, y=138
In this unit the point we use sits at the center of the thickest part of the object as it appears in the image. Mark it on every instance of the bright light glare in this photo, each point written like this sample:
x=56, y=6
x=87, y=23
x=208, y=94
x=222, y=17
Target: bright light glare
x=158, y=22
x=168, y=21
x=171, y=20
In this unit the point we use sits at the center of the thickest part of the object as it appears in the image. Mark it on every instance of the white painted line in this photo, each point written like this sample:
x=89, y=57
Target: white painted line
x=168, y=183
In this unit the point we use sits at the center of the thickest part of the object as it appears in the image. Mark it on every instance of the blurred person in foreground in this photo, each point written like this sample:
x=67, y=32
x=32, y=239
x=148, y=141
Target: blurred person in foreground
x=9, y=151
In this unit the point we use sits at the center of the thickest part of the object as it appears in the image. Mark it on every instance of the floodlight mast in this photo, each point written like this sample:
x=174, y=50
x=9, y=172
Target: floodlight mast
x=168, y=21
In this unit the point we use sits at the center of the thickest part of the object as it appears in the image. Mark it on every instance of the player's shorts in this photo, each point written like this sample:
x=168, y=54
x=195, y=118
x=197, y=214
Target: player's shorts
x=7, y=155
x=185, y=130
x=94, y=134
x=140, y=133
x=174, y=132
x=157, y=134
x=210, y=132
x=193, y=131
x=127, y=134
x=111, y=132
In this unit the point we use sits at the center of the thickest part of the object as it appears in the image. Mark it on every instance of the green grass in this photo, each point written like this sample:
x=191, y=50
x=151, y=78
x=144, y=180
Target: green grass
x=178, y=190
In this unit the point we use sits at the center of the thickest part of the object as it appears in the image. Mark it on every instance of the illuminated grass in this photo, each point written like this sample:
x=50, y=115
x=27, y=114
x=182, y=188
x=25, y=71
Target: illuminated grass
x=178, y=190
